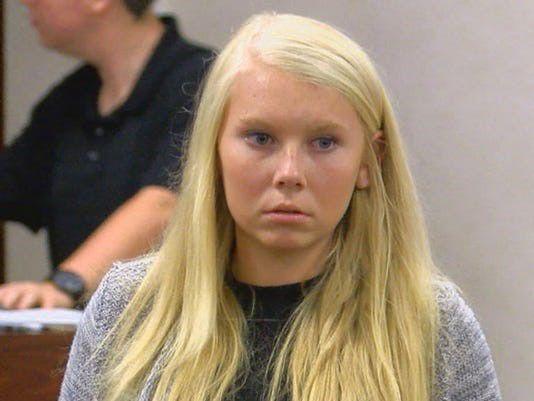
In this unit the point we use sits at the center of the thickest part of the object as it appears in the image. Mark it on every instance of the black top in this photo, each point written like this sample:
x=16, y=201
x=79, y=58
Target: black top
x=71, y=168
x=267, y=310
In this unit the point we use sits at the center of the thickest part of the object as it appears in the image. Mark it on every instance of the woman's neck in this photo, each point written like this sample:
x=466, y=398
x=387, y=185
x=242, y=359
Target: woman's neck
x=256, y=264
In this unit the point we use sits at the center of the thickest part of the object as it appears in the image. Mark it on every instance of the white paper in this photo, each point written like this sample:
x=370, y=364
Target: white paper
x=39, y=318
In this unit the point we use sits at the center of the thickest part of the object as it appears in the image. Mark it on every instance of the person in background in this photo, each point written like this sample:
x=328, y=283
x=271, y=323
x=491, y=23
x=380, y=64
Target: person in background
x=92, y=165
x=297, y=265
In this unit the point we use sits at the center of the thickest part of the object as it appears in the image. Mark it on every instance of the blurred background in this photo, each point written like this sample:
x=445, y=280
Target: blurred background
x=461, y=76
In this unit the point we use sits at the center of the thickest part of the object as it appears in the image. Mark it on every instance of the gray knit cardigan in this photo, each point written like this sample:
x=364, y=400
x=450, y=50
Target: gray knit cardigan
x=465, y=370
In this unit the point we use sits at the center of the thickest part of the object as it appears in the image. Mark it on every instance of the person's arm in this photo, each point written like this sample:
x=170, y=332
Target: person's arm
x=90, y=349
x=25, y=168
x=80, y=381
x=465, y=368
x=130, y=231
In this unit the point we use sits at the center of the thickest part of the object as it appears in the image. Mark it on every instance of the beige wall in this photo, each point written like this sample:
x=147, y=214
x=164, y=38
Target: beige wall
x=461, y=76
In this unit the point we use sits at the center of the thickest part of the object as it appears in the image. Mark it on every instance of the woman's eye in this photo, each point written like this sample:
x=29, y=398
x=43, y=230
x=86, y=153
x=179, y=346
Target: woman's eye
x=324, y=143
x=259, y=138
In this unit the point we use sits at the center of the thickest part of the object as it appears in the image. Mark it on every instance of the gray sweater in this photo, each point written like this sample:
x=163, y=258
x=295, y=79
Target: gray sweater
x=465, y=369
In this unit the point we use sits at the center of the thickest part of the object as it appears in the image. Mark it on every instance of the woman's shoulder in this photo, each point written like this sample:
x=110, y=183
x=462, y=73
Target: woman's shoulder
x=450, y=301
x=465, y=369
x=89, y=351
x=459, y=327
x=116, y=289
x=457, y=318
x=125, y=276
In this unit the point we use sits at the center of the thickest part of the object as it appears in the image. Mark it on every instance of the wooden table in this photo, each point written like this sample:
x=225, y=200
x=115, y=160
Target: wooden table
x=32, y=364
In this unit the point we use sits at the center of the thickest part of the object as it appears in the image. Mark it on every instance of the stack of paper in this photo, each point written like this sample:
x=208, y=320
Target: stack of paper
x=38, y=319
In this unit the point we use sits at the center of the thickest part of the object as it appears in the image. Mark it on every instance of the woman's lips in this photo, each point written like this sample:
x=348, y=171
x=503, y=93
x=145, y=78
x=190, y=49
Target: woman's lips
x=279, y=216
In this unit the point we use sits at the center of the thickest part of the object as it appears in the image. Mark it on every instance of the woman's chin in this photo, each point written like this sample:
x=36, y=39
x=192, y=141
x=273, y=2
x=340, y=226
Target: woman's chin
x=286, y=242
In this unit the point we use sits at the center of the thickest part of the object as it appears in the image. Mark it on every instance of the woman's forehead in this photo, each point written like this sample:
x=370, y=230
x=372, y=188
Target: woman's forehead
x=264, y=93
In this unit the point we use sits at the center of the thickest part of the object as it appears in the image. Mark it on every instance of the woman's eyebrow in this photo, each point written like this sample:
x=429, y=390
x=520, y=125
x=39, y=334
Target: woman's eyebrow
x=313, y=126
x=326, y=126
x=255, y=122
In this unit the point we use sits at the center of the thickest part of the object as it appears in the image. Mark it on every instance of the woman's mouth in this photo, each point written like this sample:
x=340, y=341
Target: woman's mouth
x=286, y=214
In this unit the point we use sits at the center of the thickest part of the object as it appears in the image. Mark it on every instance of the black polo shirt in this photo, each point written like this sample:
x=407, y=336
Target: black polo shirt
x=71, y=168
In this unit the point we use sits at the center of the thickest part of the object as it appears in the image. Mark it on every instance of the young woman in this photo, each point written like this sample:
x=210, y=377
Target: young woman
x=297, y=266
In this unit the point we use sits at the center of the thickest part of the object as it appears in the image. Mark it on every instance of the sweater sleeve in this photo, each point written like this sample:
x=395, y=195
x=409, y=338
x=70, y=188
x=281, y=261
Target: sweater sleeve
x=85, y=359
x=465, y=369
x=88, y=354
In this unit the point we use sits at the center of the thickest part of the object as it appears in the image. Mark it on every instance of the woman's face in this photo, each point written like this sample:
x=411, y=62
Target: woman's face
x=290, y=154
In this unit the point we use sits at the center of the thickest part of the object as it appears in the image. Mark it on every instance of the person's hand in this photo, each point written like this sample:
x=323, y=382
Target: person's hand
x=30, y=294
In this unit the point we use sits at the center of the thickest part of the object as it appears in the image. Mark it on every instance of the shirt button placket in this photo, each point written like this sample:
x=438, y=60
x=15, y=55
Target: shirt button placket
x=93, y=155
x=99, y=132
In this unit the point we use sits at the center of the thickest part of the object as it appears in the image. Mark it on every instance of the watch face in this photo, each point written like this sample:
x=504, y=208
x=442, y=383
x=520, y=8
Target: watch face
x=69, y=282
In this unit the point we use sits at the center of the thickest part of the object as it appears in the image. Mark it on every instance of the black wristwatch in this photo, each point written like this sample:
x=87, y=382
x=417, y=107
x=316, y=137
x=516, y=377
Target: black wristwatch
x=68, y=282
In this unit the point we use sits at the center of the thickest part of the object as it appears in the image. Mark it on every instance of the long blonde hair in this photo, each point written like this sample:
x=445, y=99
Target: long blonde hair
x=367, y=330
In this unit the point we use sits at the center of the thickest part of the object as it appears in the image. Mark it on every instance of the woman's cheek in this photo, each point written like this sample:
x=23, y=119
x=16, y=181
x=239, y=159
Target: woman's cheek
x=244, y=185
x=333, y=190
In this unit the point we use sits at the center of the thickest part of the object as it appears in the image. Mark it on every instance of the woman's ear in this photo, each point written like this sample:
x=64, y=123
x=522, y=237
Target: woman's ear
x=98, y=6
x=379, y=147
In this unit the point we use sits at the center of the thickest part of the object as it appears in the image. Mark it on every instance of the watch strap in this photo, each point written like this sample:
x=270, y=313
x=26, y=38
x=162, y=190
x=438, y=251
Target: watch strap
x=68, y=282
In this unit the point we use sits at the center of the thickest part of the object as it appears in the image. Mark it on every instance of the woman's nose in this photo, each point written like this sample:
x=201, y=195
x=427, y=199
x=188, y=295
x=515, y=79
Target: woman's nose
x=289, y=171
